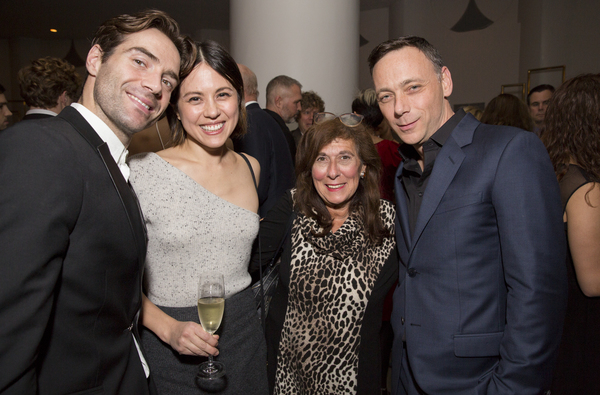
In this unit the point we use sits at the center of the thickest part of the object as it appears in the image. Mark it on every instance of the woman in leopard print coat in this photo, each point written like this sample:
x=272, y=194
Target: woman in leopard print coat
x=338, y=263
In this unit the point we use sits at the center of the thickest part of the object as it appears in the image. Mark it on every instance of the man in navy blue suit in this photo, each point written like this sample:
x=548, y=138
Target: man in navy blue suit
x=482, y=288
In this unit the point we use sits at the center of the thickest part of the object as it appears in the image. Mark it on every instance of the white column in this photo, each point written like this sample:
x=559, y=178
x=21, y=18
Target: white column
x=313, y=41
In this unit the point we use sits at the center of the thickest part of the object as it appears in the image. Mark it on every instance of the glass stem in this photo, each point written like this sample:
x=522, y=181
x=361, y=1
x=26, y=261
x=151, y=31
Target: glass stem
x=210, y=360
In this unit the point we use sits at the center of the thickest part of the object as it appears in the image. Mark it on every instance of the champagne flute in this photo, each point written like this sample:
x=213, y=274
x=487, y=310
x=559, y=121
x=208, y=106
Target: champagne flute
x=211, y=301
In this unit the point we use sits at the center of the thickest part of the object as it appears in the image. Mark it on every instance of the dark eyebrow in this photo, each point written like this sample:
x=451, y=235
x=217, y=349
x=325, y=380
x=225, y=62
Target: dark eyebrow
x=152, y=57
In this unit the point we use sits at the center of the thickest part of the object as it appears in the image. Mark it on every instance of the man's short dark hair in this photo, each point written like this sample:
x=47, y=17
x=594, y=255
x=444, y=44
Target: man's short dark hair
x=45, y=79
x=540, y=88
x=407, y=41
x=113, y=32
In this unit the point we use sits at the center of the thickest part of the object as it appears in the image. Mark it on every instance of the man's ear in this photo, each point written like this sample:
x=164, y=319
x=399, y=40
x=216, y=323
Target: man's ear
x=63, y=100
x=446, y=82
x=93, y=61
x=278, y=100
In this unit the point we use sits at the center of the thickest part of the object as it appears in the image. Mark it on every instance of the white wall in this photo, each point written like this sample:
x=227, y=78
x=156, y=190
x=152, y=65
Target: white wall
x=526, y=34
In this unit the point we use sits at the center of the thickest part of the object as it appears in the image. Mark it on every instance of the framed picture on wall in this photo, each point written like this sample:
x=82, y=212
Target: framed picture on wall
x=554, y=76
x=514, y=89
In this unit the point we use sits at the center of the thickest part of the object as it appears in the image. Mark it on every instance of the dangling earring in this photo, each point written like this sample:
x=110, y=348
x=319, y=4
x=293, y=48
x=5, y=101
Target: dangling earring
x=362, y=174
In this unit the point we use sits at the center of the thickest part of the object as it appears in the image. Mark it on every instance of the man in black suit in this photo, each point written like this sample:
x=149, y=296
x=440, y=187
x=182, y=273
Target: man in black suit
x=283, y=103
x=265, y=142
x=48, y=85
x=72, y=237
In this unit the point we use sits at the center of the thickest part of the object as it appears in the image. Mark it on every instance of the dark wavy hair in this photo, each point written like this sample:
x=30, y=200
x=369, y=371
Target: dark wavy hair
x=43, y=81
x=112, y=33
x=215, y=56
x=366, y=200
x=509, y=110
x=572, y=126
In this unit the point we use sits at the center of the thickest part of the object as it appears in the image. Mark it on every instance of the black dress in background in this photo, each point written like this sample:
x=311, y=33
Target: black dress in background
x=578, y=365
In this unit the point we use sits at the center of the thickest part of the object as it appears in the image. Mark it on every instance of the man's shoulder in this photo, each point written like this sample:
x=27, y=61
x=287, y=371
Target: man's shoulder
x=472, y=132
x=34, y=130
x=260, y=121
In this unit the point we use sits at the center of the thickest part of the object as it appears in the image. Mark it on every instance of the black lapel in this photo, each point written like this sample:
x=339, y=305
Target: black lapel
x=125, y=192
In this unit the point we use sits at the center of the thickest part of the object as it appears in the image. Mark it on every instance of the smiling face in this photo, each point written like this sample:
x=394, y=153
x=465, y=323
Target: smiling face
x=208, y=107
x=411, y=95
x=336, y=173
x=132, y=87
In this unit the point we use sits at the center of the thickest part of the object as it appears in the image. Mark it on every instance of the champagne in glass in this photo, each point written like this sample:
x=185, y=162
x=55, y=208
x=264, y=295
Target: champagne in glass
x=210, y=311
x=211, y=302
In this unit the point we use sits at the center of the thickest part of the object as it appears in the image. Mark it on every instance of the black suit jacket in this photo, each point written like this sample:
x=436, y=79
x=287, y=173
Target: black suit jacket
x=286, y=132
x=265, y=142
x=29, y=117
x=73, y=246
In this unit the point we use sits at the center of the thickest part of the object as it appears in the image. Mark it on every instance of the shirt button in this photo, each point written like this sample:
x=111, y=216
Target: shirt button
x=420, y=194
x=402, y=320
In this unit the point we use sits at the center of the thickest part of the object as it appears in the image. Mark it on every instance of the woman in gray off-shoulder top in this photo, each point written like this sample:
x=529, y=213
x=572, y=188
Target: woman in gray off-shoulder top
x=200, y=206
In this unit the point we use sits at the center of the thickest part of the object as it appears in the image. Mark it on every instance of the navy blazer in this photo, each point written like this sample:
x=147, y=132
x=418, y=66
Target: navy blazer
x=482, y=286
x=73, y=247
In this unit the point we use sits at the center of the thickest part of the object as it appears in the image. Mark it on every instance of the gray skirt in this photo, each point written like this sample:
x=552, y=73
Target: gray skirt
x=241, y=348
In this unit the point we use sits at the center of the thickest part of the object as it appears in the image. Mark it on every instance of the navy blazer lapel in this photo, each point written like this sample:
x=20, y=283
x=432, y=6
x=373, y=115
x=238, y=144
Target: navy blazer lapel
x=447, y=163
x=125, y=192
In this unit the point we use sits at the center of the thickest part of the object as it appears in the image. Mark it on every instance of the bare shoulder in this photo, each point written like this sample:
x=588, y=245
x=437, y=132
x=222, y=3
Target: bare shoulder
x=254, y=163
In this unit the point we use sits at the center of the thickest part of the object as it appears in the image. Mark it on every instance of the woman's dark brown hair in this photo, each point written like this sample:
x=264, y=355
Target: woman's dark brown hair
x=572, y=126
x=366, y=200
x=509, y=110
x=218, y=59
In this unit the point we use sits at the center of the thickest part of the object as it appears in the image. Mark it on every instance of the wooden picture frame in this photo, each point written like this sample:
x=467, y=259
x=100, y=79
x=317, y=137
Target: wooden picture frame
x=512, y=89
x=552, y=69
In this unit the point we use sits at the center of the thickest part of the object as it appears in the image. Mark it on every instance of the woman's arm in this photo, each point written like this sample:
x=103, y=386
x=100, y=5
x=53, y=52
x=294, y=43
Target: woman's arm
x=188, y=338
x=583, y=231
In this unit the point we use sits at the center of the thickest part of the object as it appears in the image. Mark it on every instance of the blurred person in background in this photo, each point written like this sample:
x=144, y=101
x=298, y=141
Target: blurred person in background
x=48, y=85
x=310, y=105
x=5, y=113
x=508, y=110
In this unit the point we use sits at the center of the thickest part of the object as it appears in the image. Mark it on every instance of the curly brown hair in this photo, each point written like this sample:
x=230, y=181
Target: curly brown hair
x=45, y=79
x=366, y=199
x=572, y=126
x=310, y=99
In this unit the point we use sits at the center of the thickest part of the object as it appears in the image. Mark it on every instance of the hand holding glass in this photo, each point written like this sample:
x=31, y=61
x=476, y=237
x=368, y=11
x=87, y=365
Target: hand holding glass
x=211, y=301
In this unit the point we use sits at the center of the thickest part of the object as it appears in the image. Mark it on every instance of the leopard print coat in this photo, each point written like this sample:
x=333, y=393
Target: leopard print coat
x=331, y=279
